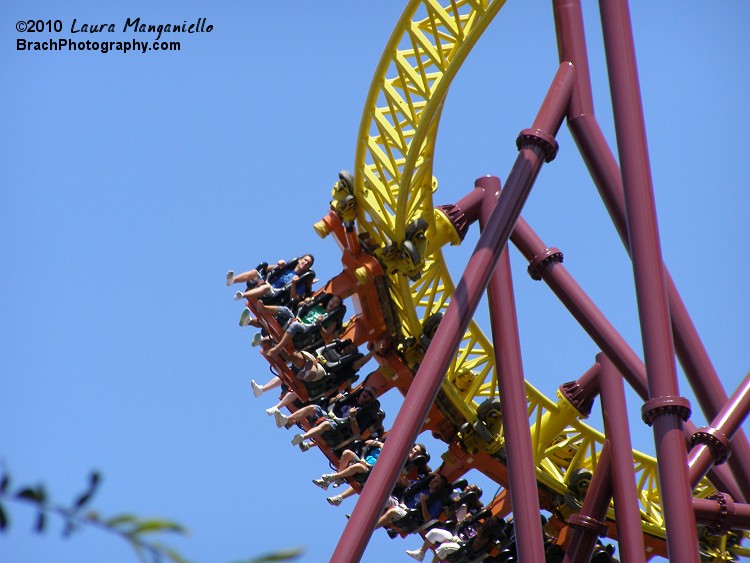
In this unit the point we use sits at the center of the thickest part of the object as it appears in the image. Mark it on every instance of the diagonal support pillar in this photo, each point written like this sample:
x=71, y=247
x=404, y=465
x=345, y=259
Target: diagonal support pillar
x=536, y=145
x=690, y=350
x=712, y=445
x=593, y=321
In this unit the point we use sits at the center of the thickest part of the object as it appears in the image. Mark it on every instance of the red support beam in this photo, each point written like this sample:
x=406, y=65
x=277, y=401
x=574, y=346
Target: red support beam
x=712, y=444
x=514, y=407
x=589, y=524
x=665, y=410
x=617, y=430
x=601, y=331
x=605, y=172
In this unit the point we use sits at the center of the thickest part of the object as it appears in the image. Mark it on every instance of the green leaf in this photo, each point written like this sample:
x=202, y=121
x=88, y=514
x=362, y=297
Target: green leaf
x=4, y=483
x=119, y=520
x=151, y=526
x=169, y=553
x=281, y=555
x=3, y=519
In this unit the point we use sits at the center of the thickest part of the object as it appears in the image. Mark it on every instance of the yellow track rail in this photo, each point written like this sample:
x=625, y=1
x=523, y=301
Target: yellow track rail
x=394, y=186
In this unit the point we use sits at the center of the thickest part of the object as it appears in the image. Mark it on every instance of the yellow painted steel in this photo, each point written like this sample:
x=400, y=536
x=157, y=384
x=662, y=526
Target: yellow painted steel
x=393, y=187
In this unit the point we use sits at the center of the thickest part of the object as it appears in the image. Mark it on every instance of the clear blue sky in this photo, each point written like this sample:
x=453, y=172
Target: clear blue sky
x=131, y=182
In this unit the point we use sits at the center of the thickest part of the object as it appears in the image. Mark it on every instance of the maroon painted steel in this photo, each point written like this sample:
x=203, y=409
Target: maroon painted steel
x=654, y=289
x=722, y=514
x=583, y=309
x=582, y=392
x=601, y=331
x=423, y=391
x=665, y=409
x=606, y=175
x=690, y=350
x=524, y=494
x=627, y=509
x=599, y=328
x=464, y=212
x=571, y=46
x=712, y=444
x=588, y=524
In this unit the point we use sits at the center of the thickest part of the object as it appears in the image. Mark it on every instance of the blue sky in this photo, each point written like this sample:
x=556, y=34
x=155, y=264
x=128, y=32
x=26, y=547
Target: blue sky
x=132, y=182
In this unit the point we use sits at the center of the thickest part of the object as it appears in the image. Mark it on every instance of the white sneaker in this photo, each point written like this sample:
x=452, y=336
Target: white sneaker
x=297, y=439
x=335, y=500
x=245, y=317
x=415, y=553
x=322, y=483
x=272, y=410
x=256, y=339
x=257, y=389
x=326, y=479
x=230, y=277
x=238, y=296
x=281, y=418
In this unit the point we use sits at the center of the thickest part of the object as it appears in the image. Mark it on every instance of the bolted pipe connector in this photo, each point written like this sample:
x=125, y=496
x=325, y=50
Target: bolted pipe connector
x=716, y=441
x=541, y=139
x=588, y=523
x=542, y=260
x=582, y=399
x=725, y=520
x=660, y=406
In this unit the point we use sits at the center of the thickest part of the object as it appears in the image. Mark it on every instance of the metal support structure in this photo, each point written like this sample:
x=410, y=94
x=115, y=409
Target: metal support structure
x=589, y=524
x=721, y=514
x=712, y=444
x=628, y=195
x=514, y=407
x=536, y=145
x=605, y=172
x=601, y=331
x=690, y=350
x=666, y=410
x=615, y=413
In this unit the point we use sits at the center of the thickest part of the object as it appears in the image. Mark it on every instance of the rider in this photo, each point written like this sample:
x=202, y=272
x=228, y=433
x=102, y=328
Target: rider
x=278, y=277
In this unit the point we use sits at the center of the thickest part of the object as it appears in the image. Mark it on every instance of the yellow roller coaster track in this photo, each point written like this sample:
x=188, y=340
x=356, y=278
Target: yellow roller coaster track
x=394, y=186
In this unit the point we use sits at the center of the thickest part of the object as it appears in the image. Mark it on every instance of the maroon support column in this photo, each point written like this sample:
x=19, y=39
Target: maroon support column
x=545, y=264
x=712, y=444
x=508, y=365
x=615, y=413
x=665, y=410
x=606, y=174
x=536, y=145
x=691, y=352
x=589, y=523
x=721, y=514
